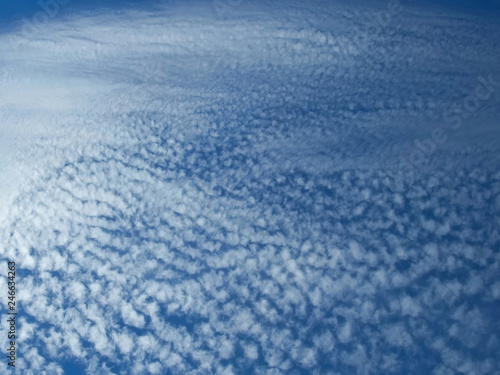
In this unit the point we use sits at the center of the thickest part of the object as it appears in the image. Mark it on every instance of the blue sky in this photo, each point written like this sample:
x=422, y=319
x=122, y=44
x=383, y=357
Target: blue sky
x=25, y=8
x=252, y=187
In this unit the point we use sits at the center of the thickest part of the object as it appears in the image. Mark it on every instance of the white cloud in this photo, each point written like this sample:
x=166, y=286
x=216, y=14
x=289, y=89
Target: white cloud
x=191, y=189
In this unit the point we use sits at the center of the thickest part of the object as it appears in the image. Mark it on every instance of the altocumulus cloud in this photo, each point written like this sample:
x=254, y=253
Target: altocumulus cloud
x=190, y=194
